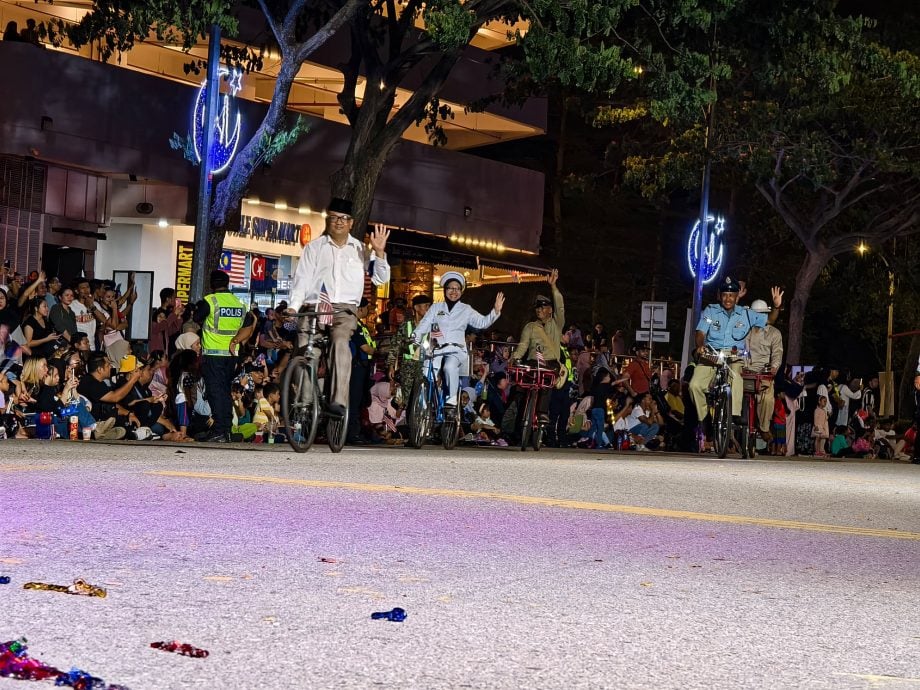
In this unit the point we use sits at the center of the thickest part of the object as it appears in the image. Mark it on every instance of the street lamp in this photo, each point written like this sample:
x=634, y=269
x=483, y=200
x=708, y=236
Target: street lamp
x=887, y=402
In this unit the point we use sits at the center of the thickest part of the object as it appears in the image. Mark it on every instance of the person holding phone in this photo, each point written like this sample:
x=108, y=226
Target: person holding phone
x=39, y=335
x=166, y=322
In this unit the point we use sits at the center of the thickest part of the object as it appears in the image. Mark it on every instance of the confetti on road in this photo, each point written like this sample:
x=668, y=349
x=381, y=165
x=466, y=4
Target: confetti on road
x=4, y=579
x=79, y=587
x=15, y=662
x=180, y=648
x=397, y=615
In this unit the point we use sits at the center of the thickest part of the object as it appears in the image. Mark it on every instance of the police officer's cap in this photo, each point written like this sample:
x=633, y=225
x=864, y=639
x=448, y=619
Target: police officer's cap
x=542, y=301
x=453, y=275
x=729, y=284
x=219, y=279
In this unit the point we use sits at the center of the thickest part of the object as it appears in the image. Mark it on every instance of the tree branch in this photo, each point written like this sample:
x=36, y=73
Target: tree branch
x=345, y=14
x=410, y=112
x=277, y=31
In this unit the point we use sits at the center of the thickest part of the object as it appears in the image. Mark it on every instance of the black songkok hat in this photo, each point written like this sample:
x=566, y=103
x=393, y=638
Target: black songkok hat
x=340, y=206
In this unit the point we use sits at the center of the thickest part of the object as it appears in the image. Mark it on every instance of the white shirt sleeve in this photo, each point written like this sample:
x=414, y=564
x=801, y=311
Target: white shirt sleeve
x=381, y=275
x=303, y=277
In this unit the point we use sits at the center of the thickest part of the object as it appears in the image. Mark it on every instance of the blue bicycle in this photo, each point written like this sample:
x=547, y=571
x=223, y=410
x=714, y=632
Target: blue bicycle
x=427, y=406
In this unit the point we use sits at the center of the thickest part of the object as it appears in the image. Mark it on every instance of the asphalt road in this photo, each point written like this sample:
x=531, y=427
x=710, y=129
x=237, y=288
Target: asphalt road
x=517, y=570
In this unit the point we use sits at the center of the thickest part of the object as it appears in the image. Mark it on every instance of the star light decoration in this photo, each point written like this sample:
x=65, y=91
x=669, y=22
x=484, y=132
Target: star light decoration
x=226, y=125
x=712, y=256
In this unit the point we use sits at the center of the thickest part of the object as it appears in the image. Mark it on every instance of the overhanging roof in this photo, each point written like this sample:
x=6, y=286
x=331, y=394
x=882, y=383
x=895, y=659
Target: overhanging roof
x=436, y=249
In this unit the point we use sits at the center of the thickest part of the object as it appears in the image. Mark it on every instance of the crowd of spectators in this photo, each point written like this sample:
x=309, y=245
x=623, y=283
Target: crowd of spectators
x=64, y=353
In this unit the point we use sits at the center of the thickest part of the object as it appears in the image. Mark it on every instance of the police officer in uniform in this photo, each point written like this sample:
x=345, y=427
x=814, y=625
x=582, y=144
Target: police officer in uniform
x=724, y=326
x=225, y=322
x=403, y=359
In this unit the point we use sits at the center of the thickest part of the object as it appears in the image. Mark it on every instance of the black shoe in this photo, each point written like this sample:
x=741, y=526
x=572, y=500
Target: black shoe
x=356, y=441
x=335, y=409
x=214, y=438
x=736, y=419
x=543, y=418
x=915, y=461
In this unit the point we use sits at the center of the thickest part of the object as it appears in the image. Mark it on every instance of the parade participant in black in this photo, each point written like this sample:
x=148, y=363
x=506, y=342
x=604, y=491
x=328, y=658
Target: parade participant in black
x=363, y=347
x=223, y=318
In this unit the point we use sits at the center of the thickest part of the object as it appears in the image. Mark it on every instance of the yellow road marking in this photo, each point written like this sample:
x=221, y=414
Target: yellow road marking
x=877, y=680
x=555, y=503
x=22, y=468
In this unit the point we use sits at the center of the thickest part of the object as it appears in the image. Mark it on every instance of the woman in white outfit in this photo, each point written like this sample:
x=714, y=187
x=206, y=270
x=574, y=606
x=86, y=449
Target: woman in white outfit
x=446, y=323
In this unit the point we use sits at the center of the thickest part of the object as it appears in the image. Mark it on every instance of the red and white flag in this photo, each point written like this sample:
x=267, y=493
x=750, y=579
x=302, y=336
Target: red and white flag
x=389, y=423
x=541, y=360
x=325, y=307
x=233, y=263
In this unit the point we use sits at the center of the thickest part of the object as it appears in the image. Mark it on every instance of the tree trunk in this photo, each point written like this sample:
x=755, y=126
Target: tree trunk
x=555, y=245
x=215, y=243
x=814, y=263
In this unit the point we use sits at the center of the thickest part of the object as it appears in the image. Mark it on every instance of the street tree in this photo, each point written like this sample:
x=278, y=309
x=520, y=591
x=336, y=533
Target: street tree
x=819, y=121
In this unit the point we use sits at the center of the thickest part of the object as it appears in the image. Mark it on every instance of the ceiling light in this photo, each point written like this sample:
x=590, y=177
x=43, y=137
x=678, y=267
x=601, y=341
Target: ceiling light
x=281, y=205
x=252, y=200
x=304, y=211
x=163, y=223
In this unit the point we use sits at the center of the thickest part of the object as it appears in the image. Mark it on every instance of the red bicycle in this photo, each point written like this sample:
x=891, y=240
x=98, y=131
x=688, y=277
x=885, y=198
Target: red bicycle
x=755, y=383
x=533, y=380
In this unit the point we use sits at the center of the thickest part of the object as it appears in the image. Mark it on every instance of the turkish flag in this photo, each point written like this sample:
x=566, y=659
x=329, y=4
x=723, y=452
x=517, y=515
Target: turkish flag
x=258, y=268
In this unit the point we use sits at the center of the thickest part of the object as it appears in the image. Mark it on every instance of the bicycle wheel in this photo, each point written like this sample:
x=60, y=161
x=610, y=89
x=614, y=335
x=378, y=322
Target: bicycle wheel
x=722, y=424
x=420, y=413
x=450, y=433
x=536, y=438
x=530, y=409
x=746, y=442
x=336, y=431
x=299, y=409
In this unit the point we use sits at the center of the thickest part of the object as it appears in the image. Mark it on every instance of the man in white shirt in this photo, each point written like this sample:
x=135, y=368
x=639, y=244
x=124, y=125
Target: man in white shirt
x=83, y=307
x=335, y=264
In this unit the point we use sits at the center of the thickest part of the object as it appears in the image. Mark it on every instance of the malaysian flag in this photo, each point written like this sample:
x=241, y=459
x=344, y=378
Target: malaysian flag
x=541, y=360
x=325, y=307
x=234, y=264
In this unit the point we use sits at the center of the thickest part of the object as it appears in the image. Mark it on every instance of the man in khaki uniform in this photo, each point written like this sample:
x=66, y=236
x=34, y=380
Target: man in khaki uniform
x=766, y=347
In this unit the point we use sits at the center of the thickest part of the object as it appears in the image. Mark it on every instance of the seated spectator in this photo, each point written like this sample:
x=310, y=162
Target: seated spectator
x=484, y=428
x=189, y=341
x=243, y=426
x=645, y=422
x=94, y=386
x=674, y=413
x=841, y=446
x=39, y=334
x=150, y=408
x=602, y=391
x=266, y=416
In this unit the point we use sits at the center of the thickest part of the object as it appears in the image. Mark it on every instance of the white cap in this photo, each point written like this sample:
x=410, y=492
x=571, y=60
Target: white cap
x=760, y=306
x=453, y=275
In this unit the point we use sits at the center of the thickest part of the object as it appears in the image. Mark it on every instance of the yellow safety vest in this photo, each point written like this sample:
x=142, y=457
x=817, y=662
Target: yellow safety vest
x=367, y=336
x=224, y=321
x=567, y=360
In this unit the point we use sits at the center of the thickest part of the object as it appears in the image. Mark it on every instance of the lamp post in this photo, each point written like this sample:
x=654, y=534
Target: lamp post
x=886, y=404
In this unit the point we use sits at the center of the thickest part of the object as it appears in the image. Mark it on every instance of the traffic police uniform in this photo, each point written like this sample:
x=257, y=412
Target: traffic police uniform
x=724, y=330
x=225, y=317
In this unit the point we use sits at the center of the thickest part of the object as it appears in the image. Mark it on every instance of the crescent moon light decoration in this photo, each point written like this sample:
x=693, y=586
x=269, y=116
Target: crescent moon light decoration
x=226, y=124
x=712, y=256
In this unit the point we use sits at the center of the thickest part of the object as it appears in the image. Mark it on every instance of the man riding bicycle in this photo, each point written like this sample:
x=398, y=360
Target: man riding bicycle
x=541, y=338
x=331, y=270
x=766, y=348
x=724, y=326
x=446, y=323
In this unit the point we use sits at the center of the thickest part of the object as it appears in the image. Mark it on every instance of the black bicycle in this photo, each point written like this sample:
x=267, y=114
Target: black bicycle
x=304, y=401
x=719, y=397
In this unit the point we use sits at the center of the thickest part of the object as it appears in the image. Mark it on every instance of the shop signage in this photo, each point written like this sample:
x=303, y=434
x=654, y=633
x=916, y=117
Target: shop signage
x=269, y=230
x=712, y=253
x=227, y=123
x=185, y=253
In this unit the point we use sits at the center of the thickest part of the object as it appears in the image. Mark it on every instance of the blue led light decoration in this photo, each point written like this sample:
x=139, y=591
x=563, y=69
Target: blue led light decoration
x=712, y=257
x=227, y=124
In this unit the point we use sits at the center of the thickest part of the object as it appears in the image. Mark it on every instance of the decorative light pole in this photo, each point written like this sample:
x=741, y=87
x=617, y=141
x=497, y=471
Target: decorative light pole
x=205, y=175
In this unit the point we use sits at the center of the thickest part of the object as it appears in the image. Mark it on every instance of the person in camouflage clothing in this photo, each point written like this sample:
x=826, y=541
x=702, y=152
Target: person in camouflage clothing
x=402, y=361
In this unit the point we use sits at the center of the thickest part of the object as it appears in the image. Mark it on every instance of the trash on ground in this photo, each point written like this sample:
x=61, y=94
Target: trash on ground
x=397, y=615
x=79, y=587
x=15, y=662
x=4, y=579
x=180, y=648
